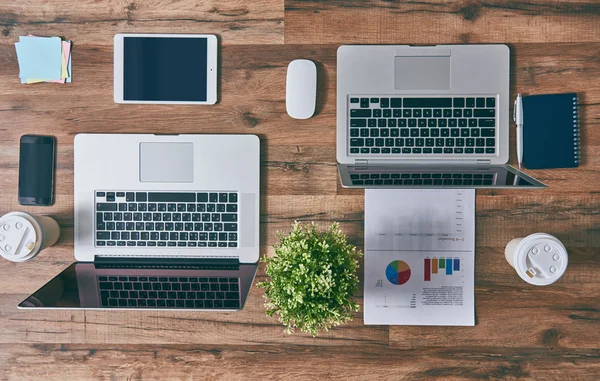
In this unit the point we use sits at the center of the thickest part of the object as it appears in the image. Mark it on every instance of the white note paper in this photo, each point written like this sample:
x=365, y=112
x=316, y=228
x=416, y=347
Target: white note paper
x=419, y=257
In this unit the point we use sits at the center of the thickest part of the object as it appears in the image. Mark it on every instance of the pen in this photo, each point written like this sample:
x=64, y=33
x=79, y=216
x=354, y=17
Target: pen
x=518, y=119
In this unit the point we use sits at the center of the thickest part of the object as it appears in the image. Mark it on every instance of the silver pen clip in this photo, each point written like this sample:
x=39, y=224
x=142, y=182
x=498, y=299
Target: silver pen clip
x=515, y=111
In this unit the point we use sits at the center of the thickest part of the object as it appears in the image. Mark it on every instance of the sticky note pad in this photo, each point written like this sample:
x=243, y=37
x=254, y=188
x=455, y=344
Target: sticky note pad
x=40, y=57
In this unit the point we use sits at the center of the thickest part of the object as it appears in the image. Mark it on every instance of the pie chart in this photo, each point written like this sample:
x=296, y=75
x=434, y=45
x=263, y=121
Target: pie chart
x=397, y=272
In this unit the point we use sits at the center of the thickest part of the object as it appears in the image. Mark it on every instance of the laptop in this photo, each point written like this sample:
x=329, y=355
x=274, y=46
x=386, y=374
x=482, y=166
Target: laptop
x=425, y=116
x=161, y=222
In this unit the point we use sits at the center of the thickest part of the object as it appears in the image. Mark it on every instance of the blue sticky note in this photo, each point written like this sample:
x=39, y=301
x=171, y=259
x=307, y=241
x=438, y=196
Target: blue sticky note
x=39, y=57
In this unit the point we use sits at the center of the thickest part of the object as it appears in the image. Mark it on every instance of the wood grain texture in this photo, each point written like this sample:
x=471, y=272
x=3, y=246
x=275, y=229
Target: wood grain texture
x=440, y=21
x=94, y=23
x=208, y=362
x=522, y=331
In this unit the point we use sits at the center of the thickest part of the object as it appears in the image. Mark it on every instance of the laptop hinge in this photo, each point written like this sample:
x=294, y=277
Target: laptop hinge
x=361, y=163
x=483, y=161
x=166, y=263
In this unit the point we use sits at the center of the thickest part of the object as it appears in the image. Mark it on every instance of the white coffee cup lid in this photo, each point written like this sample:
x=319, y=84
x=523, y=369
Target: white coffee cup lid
x=541, y=259
x=18, y=237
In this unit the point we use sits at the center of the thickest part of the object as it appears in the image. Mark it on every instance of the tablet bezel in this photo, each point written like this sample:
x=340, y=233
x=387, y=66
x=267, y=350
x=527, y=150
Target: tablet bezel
x=211, y=68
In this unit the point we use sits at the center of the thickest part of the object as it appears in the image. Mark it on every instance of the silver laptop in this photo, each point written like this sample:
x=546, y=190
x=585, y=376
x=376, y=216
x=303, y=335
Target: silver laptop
x=425, y=116
x=161, y=222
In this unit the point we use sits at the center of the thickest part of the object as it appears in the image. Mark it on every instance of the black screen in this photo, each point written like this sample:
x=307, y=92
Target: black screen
x=36, y=165
x=84, y=285
x=164, y=69
x=422, y=176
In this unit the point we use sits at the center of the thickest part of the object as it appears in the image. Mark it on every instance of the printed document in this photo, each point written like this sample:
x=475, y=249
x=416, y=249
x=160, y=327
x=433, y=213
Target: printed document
x=419, y=257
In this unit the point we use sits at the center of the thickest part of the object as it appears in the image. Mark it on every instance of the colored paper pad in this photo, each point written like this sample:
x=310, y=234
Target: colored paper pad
x=38, y=57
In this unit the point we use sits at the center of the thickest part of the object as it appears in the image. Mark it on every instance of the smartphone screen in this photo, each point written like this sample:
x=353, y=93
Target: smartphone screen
x=36, y=170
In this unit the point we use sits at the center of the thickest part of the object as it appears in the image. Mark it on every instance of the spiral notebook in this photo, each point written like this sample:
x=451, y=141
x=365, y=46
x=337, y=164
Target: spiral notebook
x=551, y=131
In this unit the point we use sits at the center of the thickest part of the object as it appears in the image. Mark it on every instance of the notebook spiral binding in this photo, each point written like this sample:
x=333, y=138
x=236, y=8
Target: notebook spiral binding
x=576, y=137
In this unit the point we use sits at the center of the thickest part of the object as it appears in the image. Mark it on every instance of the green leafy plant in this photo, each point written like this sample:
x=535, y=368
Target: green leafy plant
x=312, y=279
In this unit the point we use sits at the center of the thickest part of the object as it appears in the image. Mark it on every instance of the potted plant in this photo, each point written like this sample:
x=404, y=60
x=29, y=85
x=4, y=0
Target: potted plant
x=312, y=279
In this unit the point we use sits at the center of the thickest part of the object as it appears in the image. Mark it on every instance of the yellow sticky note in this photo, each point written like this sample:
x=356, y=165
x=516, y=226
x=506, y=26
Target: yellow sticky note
x=34, y=80
x=64, y=73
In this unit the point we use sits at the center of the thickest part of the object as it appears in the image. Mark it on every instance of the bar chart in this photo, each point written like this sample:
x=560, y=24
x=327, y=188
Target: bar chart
x=440, y=266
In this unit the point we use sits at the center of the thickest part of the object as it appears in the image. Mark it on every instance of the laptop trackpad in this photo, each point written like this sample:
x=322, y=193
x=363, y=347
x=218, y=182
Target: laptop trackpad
x=167, y=162
x=422, y=73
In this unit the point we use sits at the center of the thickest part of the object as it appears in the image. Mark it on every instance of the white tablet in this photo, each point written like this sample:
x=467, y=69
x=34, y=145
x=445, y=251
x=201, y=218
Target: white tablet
x=165, y=68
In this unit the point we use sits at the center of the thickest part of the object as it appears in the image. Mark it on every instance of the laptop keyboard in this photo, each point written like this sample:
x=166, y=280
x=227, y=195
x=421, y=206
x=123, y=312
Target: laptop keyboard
x=166, y=219
x=169, y=292
x=425, y=179
x=438, y=126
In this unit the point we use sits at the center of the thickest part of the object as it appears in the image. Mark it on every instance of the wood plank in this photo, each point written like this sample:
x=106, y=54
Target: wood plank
x=250, y=326
x=564, y=315
x=94, y=23
x=440, y=21
x=152, y=362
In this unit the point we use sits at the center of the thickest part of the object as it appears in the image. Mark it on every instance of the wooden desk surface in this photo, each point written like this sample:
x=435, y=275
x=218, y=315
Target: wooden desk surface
x=543, y=333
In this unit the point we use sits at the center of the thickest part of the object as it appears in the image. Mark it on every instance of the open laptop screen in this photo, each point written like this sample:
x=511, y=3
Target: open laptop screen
x=126, y=286
x=396, y=176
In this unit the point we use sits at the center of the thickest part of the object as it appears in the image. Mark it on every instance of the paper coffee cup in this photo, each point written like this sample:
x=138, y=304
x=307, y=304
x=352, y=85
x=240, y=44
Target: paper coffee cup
x=539, y=259
x=23, y=236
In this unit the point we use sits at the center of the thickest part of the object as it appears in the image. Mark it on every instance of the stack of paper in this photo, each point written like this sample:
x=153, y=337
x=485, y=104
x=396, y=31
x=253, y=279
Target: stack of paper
x=420, y=256
x=44, y=59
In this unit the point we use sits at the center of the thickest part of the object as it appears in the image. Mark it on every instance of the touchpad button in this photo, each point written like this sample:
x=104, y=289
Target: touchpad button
x=422, y=73
x=167, y=162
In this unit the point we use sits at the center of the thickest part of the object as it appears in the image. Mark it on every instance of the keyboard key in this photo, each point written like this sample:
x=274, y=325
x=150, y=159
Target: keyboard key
x=357, y=142
x=106, y=207
x=427, y=102
x=360, y=113
x=480, y=102
x=484, y=113
x=488, y=132
x=396, y=102
x=487, y=122
x=490, y=102
x=171, y=197
x=229, y=227
x=470, y=102
x=358, y=122
x=459, y=102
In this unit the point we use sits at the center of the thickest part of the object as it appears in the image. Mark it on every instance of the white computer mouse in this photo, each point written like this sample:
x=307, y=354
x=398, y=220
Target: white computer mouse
x=301, y=89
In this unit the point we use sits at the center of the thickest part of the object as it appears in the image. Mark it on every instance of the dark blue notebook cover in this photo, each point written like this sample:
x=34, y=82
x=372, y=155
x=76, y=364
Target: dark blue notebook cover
x=550, y=131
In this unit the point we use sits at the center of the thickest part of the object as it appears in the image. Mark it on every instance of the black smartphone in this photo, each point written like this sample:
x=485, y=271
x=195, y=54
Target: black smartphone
x=36, y=170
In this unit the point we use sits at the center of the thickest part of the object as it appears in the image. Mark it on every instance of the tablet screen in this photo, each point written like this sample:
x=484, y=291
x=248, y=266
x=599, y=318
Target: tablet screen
x=164, y=69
